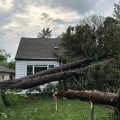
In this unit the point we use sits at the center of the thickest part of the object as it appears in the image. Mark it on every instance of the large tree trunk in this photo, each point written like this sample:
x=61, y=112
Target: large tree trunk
x=68, y=66
x=93, y=96
x=42, y=77
x=32, y=82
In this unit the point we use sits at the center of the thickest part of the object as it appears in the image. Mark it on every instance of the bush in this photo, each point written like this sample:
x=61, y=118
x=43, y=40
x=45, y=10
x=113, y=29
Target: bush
x=9, y=97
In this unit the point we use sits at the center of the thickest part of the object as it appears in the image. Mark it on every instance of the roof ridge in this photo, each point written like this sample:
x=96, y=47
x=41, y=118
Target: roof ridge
x=37, y=38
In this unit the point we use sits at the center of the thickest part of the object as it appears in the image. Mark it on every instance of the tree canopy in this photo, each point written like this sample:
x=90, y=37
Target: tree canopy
x=45, y=33
x=116, y=12
x=4, y=55
x=4, y=59
x=84, y=41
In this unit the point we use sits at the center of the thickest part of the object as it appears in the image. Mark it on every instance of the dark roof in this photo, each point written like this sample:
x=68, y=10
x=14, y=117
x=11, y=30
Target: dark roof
x=39, y=48
x=5, y=69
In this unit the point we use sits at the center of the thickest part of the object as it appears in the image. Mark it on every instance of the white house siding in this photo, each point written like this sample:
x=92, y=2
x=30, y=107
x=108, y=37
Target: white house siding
x=21, y=66
x=5, y=75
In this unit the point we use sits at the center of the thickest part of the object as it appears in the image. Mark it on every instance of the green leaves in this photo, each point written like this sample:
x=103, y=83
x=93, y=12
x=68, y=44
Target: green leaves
x=117, y=11
x=4, y=55
x=93, y=39
x=45, y=33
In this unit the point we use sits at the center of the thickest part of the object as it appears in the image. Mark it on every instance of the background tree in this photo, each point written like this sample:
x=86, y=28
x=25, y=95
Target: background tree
x=116, y=11
x=84, y=41
x=4, y=55
x=11, y=65
x=4, y=59
x=94, y=21
x=88, y=39
x=45, y=33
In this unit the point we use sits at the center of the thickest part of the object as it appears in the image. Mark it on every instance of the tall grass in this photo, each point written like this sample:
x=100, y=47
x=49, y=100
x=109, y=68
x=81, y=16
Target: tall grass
x=40, y=108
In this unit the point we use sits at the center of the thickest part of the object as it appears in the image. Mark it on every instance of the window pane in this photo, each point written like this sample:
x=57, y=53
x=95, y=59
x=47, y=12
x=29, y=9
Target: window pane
x=38, y=69
x=29, y=69
x=51, y=66
x=3, y=77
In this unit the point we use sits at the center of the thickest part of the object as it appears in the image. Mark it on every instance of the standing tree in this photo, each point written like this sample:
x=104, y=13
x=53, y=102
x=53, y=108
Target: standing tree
x=86, y=40
x=116, y=11
x=4, y=55
x=4, y=59
x=45, y=33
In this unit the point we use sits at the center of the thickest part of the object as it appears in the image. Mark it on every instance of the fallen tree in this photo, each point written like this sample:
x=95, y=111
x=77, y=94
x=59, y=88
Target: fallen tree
x=46, y=76
x=32, y=80
x=105, y=98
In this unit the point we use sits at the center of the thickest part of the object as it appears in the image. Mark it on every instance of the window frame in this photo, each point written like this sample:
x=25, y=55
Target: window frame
x=33, y=67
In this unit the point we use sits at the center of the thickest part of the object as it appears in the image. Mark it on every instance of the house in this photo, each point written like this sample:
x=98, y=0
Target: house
x=37, y=54
x=5, y=73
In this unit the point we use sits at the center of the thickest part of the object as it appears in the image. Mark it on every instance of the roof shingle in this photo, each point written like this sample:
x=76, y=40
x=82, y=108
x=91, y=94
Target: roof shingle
x=39, y=48
x=5, y=69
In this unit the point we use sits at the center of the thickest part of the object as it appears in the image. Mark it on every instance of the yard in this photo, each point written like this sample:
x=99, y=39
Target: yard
x=43, y=108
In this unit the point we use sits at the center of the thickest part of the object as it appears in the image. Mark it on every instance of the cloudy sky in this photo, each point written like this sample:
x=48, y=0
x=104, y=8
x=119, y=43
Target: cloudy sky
x=25, y=18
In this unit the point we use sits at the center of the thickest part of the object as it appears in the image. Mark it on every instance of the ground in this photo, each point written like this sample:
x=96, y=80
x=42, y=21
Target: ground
x=43, y=108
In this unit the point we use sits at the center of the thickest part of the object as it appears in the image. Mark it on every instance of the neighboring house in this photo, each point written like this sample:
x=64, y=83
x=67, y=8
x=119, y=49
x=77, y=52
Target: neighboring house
x=6, y=74
x=37, y=54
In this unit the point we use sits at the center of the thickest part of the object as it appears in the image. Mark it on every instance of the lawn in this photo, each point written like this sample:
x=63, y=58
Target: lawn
x=43, y=108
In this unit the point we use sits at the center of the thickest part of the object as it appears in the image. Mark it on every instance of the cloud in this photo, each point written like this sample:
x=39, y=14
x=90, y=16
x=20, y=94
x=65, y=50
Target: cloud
x=45, y=15
x=12, y=25
x=25, y=18
x=59, y=21
x=5, y=5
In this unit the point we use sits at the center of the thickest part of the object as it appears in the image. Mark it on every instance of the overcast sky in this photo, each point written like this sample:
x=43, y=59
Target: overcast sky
x=25, y=18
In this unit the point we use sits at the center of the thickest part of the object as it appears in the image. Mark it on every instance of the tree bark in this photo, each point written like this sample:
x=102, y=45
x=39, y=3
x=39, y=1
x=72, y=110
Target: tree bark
x=48, y=76
x=94, y=96
x=68, y=66
x=29, y=82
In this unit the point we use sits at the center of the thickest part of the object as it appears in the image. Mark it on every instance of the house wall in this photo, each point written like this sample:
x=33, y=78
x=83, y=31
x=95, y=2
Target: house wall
x=21, y=66
x=6, y=76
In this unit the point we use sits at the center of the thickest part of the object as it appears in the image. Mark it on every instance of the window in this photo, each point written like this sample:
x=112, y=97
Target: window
x=29, y=69
x=38, y=68
x=3, y=77
x=51, y=66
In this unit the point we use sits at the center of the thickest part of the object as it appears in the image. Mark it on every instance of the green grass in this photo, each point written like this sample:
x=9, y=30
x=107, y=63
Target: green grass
x=44, y=109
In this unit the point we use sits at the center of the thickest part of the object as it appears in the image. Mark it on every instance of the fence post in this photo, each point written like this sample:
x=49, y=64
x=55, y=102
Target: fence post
x=92, y=111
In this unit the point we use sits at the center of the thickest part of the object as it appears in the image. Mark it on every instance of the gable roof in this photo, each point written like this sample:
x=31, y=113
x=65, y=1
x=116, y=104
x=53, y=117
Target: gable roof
x=39, y=48
x=5, y=69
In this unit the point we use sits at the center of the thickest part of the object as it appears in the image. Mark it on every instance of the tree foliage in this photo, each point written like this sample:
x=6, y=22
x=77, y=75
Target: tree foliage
x=4, y=59
x=116, y=11
x=95, y=36
x=45, y=33
x=4, y=55
x=84, y=40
